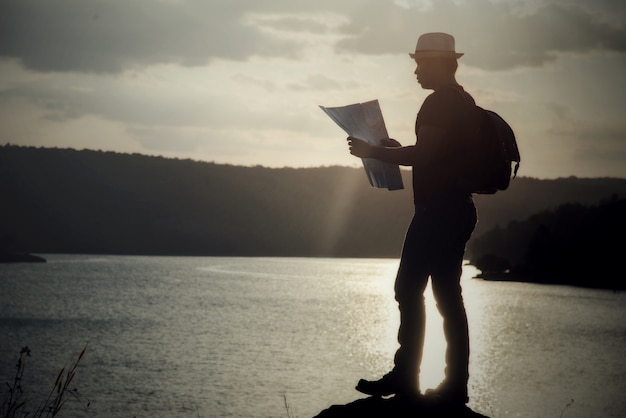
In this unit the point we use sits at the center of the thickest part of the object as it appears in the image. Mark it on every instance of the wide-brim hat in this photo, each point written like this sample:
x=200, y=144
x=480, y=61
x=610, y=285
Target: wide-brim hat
x=436, y=44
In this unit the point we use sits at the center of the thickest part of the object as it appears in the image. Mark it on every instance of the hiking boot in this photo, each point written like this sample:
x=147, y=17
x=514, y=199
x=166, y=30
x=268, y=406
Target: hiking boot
x=393, y=383
x=449, y=394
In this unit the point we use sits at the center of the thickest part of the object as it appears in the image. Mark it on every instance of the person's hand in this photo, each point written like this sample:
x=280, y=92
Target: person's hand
x=359, y=148
x=390, y=142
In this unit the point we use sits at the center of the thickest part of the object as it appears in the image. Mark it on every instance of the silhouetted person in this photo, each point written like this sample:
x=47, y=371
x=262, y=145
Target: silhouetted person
x=443, y=221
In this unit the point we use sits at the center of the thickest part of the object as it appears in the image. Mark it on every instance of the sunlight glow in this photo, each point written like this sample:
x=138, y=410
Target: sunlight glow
x=381, y=323
x=433, y=361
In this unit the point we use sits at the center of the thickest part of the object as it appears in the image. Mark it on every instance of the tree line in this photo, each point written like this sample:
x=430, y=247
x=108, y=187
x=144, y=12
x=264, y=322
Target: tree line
x=69, y=201
x=574, y=244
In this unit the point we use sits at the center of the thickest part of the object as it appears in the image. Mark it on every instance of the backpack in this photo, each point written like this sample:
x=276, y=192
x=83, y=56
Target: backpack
x=490, y=153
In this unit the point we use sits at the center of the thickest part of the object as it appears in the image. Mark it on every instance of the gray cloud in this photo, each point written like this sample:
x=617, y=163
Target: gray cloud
x=494, y=36
x=111, y=36
x=99, y=36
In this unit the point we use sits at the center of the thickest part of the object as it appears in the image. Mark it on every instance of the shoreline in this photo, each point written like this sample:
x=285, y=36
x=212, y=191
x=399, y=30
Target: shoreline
x=11, y=257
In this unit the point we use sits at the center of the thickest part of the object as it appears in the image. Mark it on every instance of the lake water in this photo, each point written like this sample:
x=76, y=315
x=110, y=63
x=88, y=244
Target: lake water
x=279, y=337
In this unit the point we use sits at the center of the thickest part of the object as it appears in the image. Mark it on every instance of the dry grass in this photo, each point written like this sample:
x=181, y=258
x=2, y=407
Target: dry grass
x=15, y=403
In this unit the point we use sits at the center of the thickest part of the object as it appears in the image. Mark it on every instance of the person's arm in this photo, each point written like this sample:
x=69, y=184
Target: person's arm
x=422, y=153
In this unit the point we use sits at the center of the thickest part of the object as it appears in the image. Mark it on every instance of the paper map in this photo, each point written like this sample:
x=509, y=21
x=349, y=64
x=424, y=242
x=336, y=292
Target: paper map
x=365, y=121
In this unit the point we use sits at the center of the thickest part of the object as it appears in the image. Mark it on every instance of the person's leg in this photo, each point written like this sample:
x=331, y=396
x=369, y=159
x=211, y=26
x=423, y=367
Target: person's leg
x=409, y=287
x=446, y=275
x=410, y=284
x=448, y=295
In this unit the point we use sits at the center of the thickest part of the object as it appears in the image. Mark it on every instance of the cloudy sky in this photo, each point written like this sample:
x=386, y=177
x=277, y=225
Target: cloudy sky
x=240, y=81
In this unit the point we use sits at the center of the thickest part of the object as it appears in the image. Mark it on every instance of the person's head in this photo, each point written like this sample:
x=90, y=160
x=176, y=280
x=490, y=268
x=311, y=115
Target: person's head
x=434, y=72
x=436, y=60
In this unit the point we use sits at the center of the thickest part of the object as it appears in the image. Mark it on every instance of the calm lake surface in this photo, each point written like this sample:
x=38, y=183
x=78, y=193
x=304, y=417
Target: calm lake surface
x=253, y=337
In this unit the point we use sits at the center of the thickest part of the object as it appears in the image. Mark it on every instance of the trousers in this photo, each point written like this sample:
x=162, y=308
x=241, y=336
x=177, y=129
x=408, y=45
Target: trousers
x=433, y=248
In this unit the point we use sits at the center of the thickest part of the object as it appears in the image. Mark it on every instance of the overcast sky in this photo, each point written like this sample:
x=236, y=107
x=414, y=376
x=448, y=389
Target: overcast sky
x=240, y=81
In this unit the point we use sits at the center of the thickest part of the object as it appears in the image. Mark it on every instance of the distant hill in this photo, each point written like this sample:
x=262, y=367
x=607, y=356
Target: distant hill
x=68, y=201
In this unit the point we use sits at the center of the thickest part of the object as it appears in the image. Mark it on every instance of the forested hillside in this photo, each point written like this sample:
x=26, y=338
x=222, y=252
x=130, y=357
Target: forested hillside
x=62, y=200
x=573, y=244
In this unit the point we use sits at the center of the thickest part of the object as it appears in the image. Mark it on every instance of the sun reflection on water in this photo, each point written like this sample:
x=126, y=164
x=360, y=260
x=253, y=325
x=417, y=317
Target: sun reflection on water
x=380, y=320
